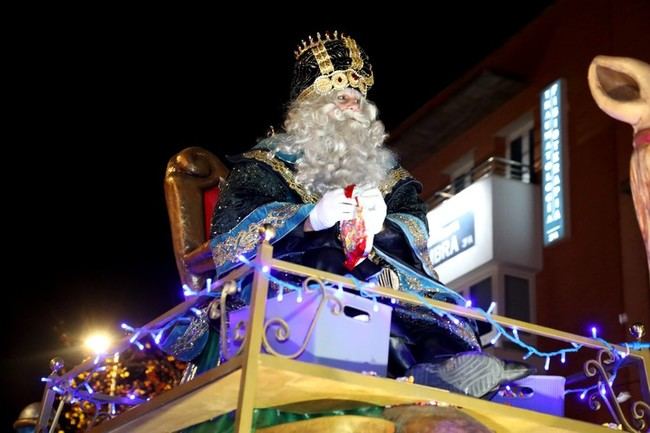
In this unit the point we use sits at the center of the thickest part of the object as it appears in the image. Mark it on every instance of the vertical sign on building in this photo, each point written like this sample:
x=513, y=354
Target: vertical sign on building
x=554, y=217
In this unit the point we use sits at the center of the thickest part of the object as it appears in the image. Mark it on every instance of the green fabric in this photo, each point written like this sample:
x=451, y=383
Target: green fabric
x=209, y=358
x=270, y=417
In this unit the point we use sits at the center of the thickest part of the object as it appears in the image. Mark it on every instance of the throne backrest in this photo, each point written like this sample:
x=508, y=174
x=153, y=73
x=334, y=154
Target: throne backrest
x=192, y=184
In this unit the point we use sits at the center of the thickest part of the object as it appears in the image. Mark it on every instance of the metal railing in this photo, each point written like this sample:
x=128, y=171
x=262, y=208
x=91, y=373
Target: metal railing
x=494, y=165
x=597, y=369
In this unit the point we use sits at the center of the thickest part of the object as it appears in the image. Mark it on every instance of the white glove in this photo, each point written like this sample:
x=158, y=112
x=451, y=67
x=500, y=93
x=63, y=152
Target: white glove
x=333, y=207
x=374, y=210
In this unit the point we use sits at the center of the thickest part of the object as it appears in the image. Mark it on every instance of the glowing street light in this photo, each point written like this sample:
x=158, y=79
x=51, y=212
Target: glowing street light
x=98, y=342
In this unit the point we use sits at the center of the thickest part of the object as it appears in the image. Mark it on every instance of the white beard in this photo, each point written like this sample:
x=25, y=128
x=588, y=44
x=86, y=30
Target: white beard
x=337, y=148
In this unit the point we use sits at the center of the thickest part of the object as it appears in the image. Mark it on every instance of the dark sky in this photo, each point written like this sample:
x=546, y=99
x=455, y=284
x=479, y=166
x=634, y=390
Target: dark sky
x=109, y=98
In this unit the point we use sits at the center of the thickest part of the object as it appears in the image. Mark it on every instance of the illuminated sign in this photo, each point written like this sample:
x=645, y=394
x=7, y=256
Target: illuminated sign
x=552, y=164
x=453, y=238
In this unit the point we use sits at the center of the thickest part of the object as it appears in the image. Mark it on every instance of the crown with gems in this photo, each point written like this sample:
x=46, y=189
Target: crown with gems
x=330, y=62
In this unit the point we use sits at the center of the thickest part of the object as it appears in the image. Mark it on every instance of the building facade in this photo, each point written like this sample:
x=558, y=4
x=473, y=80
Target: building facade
x=550, y=233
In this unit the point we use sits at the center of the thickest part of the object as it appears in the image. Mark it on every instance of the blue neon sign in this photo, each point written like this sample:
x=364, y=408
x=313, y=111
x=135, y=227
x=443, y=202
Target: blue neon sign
x=552, y=164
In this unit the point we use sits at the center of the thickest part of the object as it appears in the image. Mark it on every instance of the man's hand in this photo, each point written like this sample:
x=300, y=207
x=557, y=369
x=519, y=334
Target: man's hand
x=374, y=210
x=333, y=207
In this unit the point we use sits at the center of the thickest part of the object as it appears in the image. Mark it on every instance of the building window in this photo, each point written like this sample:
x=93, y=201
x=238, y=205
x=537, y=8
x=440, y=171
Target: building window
x=460, y=173
x=519, y=150
x=517, y=298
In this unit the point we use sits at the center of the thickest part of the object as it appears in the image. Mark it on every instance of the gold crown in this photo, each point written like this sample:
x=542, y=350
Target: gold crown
x=330, y=62
x=301, y=48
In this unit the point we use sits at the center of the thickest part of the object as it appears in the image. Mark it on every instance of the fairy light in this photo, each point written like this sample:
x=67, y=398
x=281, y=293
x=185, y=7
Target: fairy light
x=157, y=333
x=187, y=292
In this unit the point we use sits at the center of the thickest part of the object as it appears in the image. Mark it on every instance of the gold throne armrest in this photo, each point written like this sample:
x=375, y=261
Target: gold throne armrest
x=191, y=175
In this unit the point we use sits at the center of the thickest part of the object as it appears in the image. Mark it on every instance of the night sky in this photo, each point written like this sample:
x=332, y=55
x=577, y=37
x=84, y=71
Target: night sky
x=108, y=99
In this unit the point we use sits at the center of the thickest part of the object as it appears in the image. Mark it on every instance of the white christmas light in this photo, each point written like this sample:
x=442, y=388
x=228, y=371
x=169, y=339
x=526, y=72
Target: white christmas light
x=547, y=363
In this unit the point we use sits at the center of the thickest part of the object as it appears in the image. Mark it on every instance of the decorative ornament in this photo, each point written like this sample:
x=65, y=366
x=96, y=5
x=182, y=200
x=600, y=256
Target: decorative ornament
x=637, y=330
x=353, y=234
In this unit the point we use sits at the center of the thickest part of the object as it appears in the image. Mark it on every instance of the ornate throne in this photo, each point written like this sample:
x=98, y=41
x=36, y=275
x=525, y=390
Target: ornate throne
x=192, y=183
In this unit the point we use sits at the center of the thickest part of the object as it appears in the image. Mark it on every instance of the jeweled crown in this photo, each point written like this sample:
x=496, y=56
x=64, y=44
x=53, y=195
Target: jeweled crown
x=312, y=42
x=330, y=62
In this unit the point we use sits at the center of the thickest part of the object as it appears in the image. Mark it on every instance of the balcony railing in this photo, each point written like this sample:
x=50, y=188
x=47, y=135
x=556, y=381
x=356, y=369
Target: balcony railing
x=492, y=166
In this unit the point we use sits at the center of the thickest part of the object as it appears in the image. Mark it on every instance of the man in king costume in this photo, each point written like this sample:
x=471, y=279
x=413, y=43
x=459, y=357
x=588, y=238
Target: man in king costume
x=299, y=181
x=339, y=202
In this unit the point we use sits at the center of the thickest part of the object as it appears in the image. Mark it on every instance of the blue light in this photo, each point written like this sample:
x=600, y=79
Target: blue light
x=552, y=135
x=187, y=291
x=127, y=327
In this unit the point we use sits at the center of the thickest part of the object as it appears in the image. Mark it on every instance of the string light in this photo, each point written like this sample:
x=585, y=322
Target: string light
x=187, y=292
x=157, y=333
